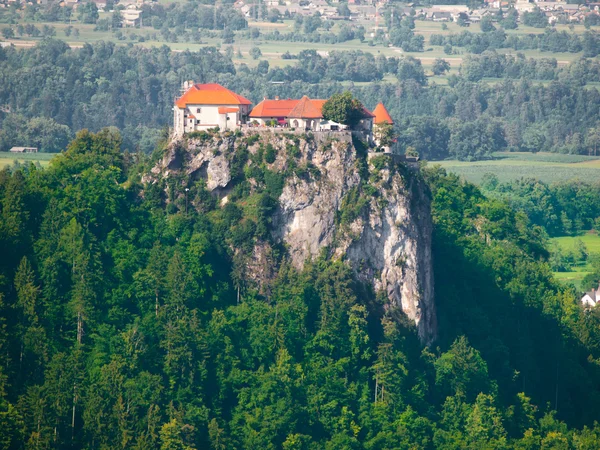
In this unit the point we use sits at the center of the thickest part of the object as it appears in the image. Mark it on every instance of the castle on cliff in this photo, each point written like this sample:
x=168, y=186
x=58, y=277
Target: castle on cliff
x=206, y=106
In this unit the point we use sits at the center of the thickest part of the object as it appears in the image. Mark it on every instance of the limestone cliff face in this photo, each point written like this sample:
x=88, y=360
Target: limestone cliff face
x=366, y=210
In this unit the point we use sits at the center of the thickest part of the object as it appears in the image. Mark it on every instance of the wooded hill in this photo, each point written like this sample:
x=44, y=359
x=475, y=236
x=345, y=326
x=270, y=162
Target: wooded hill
x=121, y=327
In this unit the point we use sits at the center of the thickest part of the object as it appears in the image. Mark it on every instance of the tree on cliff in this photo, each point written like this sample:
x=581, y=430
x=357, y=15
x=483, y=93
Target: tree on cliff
x=343, y=108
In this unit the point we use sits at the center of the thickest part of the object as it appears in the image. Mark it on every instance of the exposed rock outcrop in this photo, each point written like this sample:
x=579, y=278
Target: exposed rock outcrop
x=367, y=210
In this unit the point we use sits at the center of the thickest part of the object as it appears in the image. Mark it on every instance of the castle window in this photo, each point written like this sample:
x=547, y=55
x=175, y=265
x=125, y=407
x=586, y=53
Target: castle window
x=198, y=110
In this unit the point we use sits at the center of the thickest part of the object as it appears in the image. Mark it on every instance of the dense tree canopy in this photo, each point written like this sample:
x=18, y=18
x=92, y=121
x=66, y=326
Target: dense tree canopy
x=126, y=321
x=133, y=88
x=343, y=108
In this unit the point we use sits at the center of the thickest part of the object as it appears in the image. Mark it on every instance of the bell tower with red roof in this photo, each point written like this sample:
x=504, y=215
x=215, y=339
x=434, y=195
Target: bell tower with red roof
x=382, y=115
x=382, y=130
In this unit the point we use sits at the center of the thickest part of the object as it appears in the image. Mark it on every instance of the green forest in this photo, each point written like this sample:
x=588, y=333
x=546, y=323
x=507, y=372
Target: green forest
x=125, y=322
x=50, y=91
x=561, y=209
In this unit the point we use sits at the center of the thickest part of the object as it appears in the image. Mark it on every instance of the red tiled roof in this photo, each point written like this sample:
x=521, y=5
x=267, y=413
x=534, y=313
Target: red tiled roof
x=305, y=108
x=273, y=108
x=382, y=115
x=210, y=94
x=366, y=113
x=318, y=103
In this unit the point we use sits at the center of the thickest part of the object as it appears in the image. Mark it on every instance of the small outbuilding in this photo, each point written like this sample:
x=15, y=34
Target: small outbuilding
x=23, y=150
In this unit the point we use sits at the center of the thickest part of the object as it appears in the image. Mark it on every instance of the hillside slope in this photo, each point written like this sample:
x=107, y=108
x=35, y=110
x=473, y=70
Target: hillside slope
x=170, y=312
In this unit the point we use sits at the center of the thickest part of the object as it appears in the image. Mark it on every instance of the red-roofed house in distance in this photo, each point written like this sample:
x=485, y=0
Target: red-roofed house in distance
x=205, y=106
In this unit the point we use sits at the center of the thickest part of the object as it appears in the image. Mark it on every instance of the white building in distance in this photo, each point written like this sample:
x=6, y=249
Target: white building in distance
x=591, y=298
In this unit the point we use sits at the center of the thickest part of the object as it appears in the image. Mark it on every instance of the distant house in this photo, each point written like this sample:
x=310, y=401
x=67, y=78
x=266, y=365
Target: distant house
x=441, y=16
x=328, y=12
x=454, y=10
x=443, y=13
x=524, y=5
x=100, y=4
x=23, y=150
x=131, y=16
x=205, y=106
x=591, y=298
x=364, y=11
x=128, y=3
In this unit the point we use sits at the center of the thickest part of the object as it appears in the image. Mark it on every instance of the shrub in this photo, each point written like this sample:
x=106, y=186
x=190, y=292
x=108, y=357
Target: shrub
x=380, y=162
x=270, y=154
x=292, y=151
x=201, y=135
x=253, y=139
x=237, y=163
x=274, y=183
x=353, y=206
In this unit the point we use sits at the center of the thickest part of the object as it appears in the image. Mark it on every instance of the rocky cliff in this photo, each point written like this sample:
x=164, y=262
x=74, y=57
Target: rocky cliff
x=363, y=208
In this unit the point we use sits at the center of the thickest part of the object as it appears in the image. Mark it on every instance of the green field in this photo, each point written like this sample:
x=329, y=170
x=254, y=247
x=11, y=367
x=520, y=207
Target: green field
x=567, y=243
x=8, y=159
x=591, y=241
x=548, y=167
x=573, y=278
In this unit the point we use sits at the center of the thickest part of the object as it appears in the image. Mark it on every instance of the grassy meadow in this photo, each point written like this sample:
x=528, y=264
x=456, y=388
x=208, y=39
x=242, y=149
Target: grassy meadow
x=567, y=243
x=549, y=167
x=8, y=159
x=590, y=239
x=575, y=278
